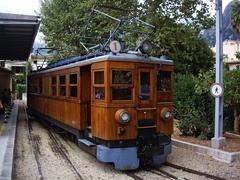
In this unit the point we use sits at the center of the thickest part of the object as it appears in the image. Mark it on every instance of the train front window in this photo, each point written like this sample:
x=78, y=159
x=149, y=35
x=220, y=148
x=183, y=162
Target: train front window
x=121, y=85
x=99, y=77
x=164, y=81
x=121, y=77
x=145, y=85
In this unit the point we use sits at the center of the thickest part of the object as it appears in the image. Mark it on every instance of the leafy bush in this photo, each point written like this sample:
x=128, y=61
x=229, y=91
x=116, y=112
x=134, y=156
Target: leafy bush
x=232, y=98
x=20, y=79
x=193, y=106
x=21, y=88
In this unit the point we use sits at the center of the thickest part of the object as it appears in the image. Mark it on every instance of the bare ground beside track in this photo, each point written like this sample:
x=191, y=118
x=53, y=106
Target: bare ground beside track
x=44, y=154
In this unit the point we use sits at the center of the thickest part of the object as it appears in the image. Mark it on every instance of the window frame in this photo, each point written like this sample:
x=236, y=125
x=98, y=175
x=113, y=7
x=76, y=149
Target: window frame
x=165, y=96
x=95, y=86
x=62, y=85
x=171, y=88
x=54, y=85
x=121, y=85
x=70, y=85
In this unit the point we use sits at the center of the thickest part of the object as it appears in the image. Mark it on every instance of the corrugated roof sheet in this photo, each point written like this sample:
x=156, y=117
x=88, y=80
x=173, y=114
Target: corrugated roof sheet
x=17, y=35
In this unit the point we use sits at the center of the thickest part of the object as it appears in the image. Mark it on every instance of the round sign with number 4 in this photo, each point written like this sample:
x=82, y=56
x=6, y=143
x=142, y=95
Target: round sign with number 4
x=217, y=90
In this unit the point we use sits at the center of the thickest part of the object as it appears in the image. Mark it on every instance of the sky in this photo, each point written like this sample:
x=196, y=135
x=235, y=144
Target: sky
x=26, y=7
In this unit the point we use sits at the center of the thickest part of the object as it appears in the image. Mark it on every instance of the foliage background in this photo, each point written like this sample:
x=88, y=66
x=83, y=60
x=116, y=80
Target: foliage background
x=178, y=24
x=177, y=35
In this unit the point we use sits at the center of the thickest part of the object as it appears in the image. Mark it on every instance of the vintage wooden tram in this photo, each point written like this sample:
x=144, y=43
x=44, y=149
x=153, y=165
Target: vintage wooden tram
x=119, y=105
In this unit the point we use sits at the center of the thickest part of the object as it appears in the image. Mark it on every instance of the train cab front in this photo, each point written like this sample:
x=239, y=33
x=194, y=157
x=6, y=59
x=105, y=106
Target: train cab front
x=132, y=107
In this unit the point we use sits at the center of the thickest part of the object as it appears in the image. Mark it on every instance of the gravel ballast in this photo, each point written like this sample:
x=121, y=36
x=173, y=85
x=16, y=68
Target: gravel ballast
x=39, y=157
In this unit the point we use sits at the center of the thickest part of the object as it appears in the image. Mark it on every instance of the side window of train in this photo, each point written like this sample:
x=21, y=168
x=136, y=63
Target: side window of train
x=121, y=85
x=62, y=85
x=54, y=86
x=73, y=85
x=164, y=81
x=99, y=88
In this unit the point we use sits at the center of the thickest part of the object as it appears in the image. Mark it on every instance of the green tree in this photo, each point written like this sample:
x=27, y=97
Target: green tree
x=63, y=22
x=178, y=25
x=194, y=106
x=189, y=51
x=235, y=17
x=237, y=54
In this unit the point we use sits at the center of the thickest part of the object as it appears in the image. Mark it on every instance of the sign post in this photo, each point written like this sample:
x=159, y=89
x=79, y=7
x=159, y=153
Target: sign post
x=218, y=139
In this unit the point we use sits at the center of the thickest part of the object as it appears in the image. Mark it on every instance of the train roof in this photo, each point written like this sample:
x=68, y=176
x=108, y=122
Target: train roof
x=75, y=61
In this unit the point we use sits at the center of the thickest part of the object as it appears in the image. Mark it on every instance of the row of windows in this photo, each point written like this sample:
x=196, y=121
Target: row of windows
x=36, y=85
x=121, y=85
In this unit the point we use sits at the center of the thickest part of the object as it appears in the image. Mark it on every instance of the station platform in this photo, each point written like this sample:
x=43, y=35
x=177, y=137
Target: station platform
x=7, y=143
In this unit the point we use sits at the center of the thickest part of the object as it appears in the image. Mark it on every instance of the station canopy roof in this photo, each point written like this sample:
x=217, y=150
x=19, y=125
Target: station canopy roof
x=17, y=35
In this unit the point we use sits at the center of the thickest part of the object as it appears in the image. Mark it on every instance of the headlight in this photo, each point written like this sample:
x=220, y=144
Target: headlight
x=122, y=116
x=146, y=47
x=125, y=117
x=166, y=114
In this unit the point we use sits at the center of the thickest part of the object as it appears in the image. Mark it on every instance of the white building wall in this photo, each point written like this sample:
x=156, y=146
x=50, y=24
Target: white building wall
x=230, y=47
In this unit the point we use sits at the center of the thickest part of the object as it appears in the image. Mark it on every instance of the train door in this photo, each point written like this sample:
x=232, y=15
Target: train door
x=146, y=87
x=146, y=110
x=85, y=74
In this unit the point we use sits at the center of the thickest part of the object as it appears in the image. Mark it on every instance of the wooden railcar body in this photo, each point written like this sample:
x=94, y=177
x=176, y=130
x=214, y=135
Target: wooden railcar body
x=6, y=79
x=84, y=98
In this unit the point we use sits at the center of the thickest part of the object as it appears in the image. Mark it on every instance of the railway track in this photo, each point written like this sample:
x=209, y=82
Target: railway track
x=163, y=172
x=63, y=151
x=55, y=141
x=134, y=176
x=33, y=142
x=166, y=174
x=192, y=171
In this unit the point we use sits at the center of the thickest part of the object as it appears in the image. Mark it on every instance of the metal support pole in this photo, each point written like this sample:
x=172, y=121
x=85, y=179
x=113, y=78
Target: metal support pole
x=218, y=139
x=26, y=69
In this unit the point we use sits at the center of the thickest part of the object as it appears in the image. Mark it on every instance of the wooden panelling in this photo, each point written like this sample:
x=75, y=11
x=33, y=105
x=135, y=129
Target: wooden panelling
x=146, y=113
x=165, y=127
x=85, y=83
x=66, y=112
x=104, y=125
x=64, y=109
x=84, y=110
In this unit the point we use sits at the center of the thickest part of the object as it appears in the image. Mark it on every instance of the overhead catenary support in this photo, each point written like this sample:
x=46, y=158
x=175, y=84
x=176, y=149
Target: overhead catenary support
x=218, y=139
